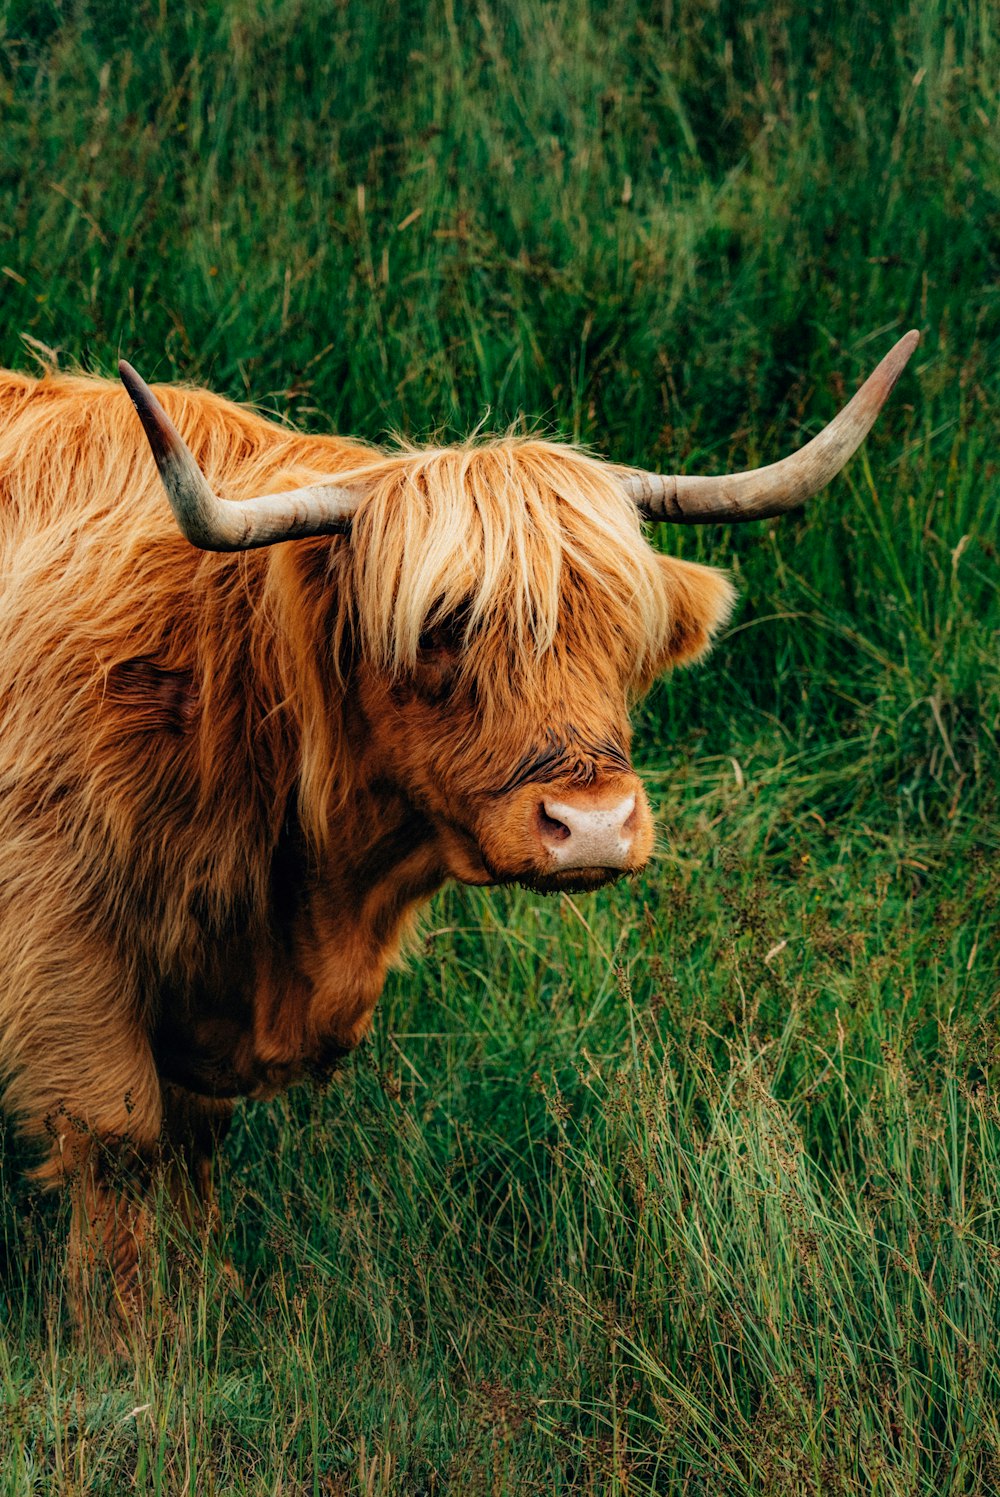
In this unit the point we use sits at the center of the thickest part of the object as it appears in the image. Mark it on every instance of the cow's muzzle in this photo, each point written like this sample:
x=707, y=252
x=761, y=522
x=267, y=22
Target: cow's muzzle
x=556, y=835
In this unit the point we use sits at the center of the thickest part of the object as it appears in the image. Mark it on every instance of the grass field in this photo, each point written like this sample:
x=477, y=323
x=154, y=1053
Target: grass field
x=692, y=1186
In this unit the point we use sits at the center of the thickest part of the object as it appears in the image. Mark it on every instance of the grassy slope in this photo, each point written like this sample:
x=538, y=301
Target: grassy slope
x=688, y=1187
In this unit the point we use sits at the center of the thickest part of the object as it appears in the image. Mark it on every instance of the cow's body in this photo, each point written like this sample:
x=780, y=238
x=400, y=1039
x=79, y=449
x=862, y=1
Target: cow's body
x=228, y=781
x=224, y=785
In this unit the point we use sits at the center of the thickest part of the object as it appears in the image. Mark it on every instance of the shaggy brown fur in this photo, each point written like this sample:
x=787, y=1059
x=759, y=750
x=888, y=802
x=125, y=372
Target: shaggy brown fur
x=227, y=782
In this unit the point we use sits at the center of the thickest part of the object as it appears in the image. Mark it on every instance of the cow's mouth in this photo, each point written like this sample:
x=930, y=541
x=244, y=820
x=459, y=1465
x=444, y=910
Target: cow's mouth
x=474, y=867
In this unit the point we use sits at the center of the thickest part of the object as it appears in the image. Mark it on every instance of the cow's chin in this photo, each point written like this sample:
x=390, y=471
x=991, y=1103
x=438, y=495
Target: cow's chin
x=566, y=880
x=561, y=881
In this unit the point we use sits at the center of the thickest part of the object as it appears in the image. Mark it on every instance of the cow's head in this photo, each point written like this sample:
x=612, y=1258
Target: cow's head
x=508, y=611
x=500, y=611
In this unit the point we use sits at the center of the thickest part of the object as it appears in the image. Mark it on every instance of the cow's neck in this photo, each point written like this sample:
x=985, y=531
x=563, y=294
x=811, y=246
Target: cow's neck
x=275, y=1005
x=336, y=924
x=316, y=994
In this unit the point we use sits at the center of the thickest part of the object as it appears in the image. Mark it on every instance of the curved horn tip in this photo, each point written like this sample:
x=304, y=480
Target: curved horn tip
x=130, y=377
x=142, y=396
x=882, y=381
x=161, y=434
x=902, y=350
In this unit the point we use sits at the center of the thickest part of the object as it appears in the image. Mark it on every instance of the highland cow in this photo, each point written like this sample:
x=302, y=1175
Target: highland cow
x=232, y=771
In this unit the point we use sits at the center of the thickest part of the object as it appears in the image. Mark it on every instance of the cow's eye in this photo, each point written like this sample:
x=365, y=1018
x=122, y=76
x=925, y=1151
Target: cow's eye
x=439, y=651
x=443, y=639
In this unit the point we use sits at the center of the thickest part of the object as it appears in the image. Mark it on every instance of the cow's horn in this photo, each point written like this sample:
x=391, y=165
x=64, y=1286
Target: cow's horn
x=216, y=524
x=762, y=492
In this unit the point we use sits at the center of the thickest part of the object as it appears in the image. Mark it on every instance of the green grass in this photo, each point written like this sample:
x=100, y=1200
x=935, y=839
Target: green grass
x=694, y=1186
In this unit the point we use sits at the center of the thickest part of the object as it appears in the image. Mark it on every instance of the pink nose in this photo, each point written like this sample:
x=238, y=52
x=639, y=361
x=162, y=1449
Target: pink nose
x=586, y=836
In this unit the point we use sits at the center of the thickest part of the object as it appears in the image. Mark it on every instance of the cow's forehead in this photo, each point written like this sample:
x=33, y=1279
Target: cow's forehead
x=528, y=538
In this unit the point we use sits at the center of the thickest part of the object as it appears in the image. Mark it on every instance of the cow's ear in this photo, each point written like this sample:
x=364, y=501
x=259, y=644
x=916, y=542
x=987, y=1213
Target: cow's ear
x=701, y=600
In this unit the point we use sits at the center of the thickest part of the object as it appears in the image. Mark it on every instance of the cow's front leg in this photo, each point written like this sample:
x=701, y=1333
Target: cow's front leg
x=119, y=1192
x=193, y=1128
x=110, y=1268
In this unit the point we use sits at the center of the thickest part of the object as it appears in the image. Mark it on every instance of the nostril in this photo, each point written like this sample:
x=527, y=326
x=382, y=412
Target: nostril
x=551, y=829
x=631, y=823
